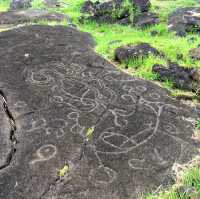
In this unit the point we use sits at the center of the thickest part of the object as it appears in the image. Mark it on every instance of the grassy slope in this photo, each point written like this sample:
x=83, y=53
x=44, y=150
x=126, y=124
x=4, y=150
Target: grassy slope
x=4, y=5
x=166, y=42
x=188, y=181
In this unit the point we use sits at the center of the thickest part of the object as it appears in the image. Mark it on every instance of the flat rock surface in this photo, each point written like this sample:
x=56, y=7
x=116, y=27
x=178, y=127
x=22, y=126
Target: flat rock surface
x=25, y=16
x=57, y=88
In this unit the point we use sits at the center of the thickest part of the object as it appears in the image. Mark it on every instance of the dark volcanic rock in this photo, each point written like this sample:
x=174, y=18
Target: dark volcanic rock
x=124, y=21
x=105, y=12
x=185, y=20
x=24, y=16
x=104, y=8
x=20, y=4
x=124, y=53
x=57, y=87
x=117, y=11
x=107, y=18
x=100, y=8
x=143, y=5
x=195, y=53
x=88, y=7
x=146, y=19
x=183, y=78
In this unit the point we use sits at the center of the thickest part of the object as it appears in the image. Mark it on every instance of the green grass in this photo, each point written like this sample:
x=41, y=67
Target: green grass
x=143, y=67
x=188, y=186
x=198, y=124
x=192, y=179
x=71, y=8
x=37, y=4
x=166, y=42
x=4, y=5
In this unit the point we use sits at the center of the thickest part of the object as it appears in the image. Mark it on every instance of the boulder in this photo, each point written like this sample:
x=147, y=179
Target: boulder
x=195, y=53
x=101, y=12
x=88, y=7
x=142, y=50
x=142, y=5
x=146, y=19
x=20, y=4
x=184, y=20
x=59, y=91
x=181, y=77
x=119, y=11
x=26, y=16
x=104, y=8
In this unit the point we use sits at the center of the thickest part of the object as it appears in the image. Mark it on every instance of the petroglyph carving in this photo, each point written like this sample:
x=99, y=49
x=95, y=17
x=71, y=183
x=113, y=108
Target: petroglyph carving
x=137, y=164
x=102, y=176
x=40, y=78
x=37, y=124
x=44, y=153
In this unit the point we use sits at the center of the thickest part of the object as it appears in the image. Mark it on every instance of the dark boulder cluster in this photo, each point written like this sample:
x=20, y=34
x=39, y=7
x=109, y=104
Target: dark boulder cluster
x=181, y=77
x=120, y=11
x=108, y=12
x=184, y=20
x=132, y=52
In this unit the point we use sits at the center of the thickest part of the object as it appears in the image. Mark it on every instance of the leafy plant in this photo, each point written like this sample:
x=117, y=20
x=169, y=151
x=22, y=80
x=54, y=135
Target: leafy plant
x=63, y=171
x=198, y=124
x=89, y=133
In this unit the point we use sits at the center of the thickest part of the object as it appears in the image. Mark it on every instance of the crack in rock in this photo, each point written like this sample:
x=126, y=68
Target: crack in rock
x=13, y=130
